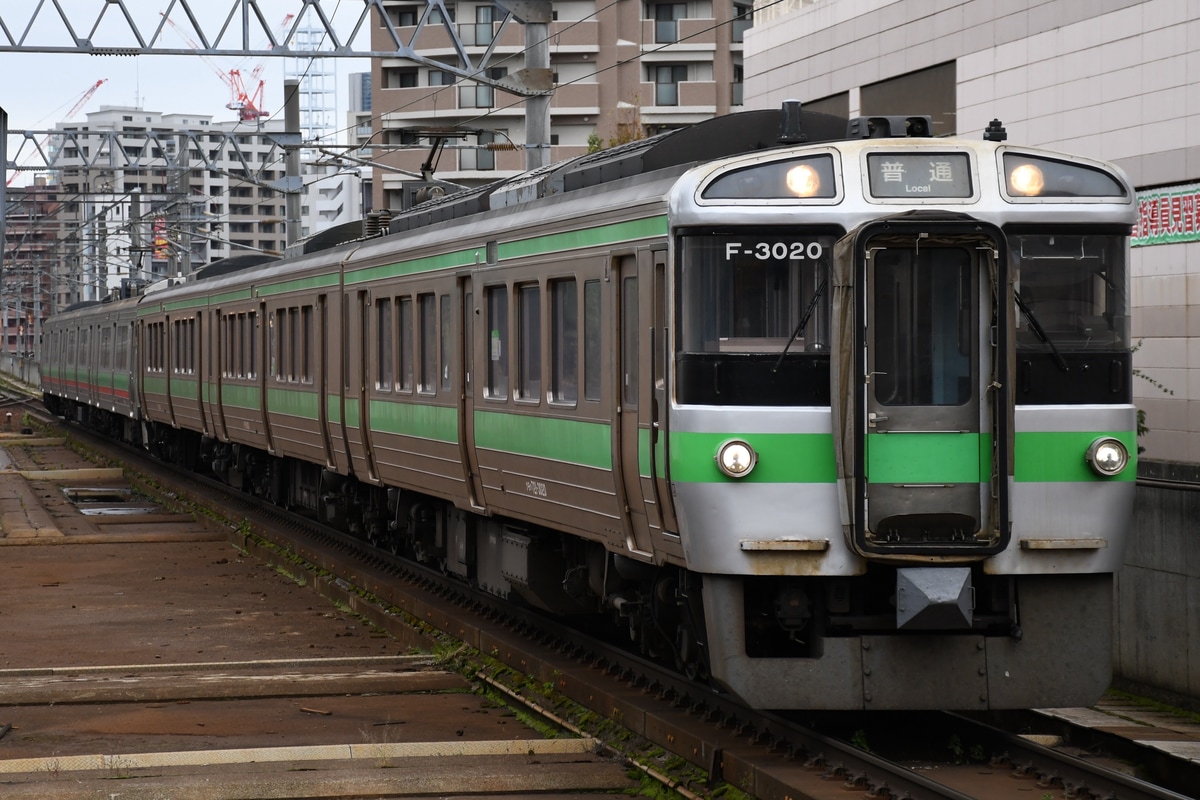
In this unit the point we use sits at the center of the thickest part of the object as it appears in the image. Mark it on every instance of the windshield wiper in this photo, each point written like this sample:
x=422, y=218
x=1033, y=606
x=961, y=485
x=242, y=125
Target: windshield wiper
x=808, y=312
x=1040, y=332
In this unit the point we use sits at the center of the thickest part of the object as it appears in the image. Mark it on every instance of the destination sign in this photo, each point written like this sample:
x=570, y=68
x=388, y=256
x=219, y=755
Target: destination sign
x=917, y=175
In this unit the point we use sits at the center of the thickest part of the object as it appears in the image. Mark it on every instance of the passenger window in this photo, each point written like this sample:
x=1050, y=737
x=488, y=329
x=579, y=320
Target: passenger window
x=564, y=342
x=428, y=326
x=383, y=322
x=591, y=340
x=530, y=338
x=497, y=321
x=445, y=341
x=406, y=345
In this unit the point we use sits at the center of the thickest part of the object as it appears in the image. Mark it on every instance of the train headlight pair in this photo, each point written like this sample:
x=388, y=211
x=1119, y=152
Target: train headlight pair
x=736, y=458
x=1107, y=456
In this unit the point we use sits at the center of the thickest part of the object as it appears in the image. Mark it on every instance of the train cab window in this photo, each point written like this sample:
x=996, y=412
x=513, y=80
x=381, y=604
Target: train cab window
x=405, y=376
x=497, y=326
x=445, y=341
x=591, y=340
x=529, y=341
x=924, y=320
x=1070, y=292
x=564, y=341
x=427, y=324
x=754, y=310
x=384, y=370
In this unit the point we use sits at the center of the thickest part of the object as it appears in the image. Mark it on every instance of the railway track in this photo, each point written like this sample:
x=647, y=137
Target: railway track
x=686, y=735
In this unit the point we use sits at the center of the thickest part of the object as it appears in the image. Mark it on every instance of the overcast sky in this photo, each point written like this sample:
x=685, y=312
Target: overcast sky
x=40, y=90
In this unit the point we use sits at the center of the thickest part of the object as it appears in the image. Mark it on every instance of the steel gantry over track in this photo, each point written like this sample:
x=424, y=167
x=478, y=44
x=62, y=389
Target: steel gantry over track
x=229, y=27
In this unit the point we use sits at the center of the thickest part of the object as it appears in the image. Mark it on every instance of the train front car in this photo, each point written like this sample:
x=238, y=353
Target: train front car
x=901, y=440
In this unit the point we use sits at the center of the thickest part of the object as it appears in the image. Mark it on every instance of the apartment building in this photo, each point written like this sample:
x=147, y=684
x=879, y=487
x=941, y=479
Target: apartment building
x=620, y=71
x=126, y=216
x=30, y=250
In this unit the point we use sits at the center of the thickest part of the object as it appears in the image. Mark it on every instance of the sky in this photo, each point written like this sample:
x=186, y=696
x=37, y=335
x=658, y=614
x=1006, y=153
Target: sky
x=40, y=90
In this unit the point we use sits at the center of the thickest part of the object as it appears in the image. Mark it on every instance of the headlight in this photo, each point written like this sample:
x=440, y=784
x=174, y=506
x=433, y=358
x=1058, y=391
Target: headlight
x=1107, y=456
x=1026, y=180
x=736, y=458
x=803, y=180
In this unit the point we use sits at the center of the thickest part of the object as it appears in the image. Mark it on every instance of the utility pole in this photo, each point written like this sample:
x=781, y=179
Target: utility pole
x=292, y=181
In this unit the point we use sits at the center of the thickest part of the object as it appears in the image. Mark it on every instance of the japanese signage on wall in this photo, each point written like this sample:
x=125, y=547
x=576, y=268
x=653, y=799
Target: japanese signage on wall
x=161, y=252
x=1168, y=215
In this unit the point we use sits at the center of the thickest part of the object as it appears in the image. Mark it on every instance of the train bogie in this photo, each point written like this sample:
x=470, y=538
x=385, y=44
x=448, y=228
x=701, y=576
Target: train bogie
x=844, y=424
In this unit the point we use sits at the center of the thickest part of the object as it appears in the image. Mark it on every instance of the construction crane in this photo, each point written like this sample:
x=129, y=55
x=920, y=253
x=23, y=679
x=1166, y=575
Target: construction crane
x=247, y=104
x=45, y=140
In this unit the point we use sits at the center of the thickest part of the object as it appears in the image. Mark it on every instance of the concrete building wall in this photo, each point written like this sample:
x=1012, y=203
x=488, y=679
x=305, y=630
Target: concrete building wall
x=1107, y=79
x=1157, y=631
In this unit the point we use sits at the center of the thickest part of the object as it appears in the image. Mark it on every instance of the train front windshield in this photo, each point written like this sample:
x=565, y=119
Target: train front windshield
x=754, y=319
x=1070, y=292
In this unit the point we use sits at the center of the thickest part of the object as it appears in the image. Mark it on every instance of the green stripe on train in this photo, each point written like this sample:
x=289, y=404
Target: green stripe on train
x=293, y=402
x=928, y=457
x=415, y=419
x=1040, y=457
x=782, y=457
x=587, y=237
x=572, y=441
x=1059, y=456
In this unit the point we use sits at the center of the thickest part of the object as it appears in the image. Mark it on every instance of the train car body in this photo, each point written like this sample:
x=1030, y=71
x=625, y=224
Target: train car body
x=841, y=424
x=90, y=363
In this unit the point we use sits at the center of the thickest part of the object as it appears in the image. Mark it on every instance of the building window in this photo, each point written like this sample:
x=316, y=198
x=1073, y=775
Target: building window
x=399, y=77
x=666, y=21
x=440, y=77
x=666, y=78
x=933, y=90
x=743, y=19
x=482, y=32
x=479, y=158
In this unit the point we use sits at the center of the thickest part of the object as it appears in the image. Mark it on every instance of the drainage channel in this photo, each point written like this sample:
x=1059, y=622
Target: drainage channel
x=108, y=501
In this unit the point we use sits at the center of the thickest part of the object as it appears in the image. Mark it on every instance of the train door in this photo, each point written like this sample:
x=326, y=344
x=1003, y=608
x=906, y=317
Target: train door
x=930, y=405
x=632, y=414
x=660, y=398
x=358, y=395
x=218, y=355
x=465, y=389
x=323, y=381
x=170, y=349
x=262, y=345
x=202, y=371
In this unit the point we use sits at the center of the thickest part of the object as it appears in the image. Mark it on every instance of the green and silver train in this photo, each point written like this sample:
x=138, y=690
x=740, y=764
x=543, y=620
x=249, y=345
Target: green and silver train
x=835, y=414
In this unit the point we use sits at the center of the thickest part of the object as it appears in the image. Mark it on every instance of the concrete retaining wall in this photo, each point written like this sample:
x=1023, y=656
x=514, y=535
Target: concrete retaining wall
x=25, y=370
x=1157, y=626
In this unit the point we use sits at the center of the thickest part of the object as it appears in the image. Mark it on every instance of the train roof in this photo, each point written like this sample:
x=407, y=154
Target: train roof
x=681, y=148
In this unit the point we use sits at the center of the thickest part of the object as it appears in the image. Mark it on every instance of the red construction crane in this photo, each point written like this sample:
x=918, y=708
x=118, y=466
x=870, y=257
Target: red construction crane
x=44, y=141
x=247, y=105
